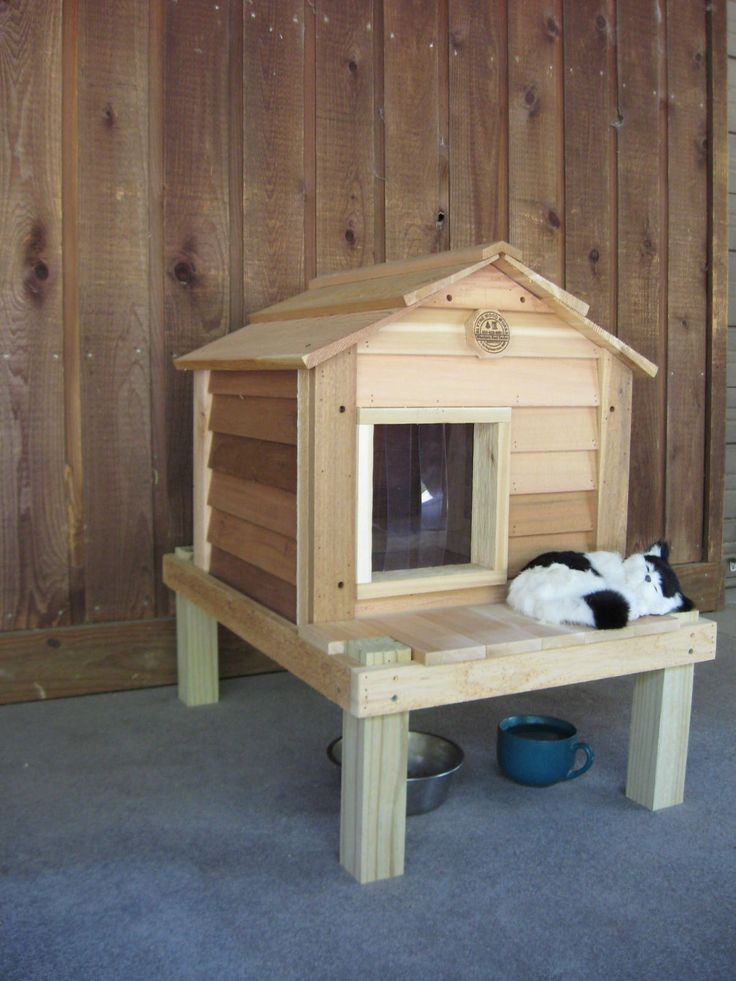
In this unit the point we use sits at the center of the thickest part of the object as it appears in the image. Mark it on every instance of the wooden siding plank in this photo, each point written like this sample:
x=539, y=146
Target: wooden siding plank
x=535, y=514
x=590, y=155
x=114, y=309
x=345, y=114
x=442, y=332
x=273, y=464
x=265, y=549
x=72, y=358
x=195, y=278
x=412, y=129
x=479, y=123
x=264, y=384
x=103, y=657
x=687, y=186
x=261, y=586
x=717, y=310
x=384, y=381
x=33, y=536
x=270, y=507
x=553, y=429
x=272, y=420
x=642, y=252
x=525, y=548
x=536, y=151
x=547, y=473
x=273, y=150
x=493, y=287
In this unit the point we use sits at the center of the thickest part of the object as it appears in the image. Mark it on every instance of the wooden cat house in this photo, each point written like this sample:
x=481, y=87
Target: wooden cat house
x=374, y=458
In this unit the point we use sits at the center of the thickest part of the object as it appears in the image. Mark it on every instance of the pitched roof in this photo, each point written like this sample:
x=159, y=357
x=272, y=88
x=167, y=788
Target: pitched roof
x=344, y=308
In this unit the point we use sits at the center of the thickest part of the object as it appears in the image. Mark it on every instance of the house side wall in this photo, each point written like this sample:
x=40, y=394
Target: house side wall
x=252, y=475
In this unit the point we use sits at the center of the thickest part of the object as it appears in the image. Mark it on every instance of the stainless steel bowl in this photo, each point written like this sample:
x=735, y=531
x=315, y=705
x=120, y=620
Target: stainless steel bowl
x=432, y=762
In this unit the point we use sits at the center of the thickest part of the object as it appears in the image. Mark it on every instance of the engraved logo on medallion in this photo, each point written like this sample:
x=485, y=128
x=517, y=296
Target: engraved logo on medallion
x=489, y=332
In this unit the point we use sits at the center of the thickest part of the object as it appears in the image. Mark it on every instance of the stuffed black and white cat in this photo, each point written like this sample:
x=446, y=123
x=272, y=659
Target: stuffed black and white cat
x=598, y=589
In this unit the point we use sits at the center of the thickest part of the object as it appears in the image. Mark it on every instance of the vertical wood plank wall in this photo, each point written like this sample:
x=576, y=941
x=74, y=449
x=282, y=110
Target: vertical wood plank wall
x=169, y=167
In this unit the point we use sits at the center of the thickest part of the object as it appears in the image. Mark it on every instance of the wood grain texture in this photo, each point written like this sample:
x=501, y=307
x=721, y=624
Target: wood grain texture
x=614, y=455
x=255, y=459
x=114, y=309
x=267, y=506
x=273, y=150
x=197, y=667
x=536, y=149
x=590, y=155
x=658, y=741
x=642, y=254
x=415, y=220
x=260, y=547
x=536, y=514
x=202, y=473
x=478, y=137
x=195, y=269
x=687, y=233
x=273, y=420
x=272, y=592
x=264, y=384
x=346, y=114
x=60, y=662
x=34, y=575
x=386, y=380
x=332, y=490
x=717, y=290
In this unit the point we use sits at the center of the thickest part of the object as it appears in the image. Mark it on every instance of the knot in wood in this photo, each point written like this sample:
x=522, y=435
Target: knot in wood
x=553, y=219
x=531, y=99
x=184, y=273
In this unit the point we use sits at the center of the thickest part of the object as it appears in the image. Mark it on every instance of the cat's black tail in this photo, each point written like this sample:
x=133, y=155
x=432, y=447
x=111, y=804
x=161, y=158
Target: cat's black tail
x=610, y=609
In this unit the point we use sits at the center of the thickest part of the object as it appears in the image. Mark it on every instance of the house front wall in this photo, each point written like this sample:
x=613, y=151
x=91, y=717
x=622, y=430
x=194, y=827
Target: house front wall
x=570, y=423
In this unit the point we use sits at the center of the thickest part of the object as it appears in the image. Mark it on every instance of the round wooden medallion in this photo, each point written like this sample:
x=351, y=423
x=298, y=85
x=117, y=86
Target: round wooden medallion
x=488, y=333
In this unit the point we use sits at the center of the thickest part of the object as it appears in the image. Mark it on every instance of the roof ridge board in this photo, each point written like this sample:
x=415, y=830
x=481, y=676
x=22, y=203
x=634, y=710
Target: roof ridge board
x=393, y=267
x=322, y=303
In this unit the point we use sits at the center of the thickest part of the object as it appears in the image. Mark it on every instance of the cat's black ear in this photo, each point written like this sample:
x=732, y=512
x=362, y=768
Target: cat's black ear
x=661, y=549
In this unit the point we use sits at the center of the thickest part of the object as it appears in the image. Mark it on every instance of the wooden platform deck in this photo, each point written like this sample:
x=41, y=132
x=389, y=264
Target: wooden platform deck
x=471, y=633
x=380, y=669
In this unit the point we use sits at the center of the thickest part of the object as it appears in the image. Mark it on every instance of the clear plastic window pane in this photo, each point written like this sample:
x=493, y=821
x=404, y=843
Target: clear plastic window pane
x=422, y=495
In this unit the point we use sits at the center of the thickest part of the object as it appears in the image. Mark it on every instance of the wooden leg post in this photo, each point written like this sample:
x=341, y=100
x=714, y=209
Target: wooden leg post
x=196, y=650
x=660, y=728
x=374, y=769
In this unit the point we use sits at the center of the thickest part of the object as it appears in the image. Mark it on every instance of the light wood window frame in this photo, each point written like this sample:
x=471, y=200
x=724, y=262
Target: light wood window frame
x=490, y=503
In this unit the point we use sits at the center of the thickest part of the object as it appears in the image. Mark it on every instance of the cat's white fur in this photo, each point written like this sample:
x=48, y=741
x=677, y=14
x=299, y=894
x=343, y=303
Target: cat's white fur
x=555, y=593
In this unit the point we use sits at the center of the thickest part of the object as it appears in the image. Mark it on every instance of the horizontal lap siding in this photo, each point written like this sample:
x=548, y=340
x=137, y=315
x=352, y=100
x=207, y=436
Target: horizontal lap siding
x=253, y=488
